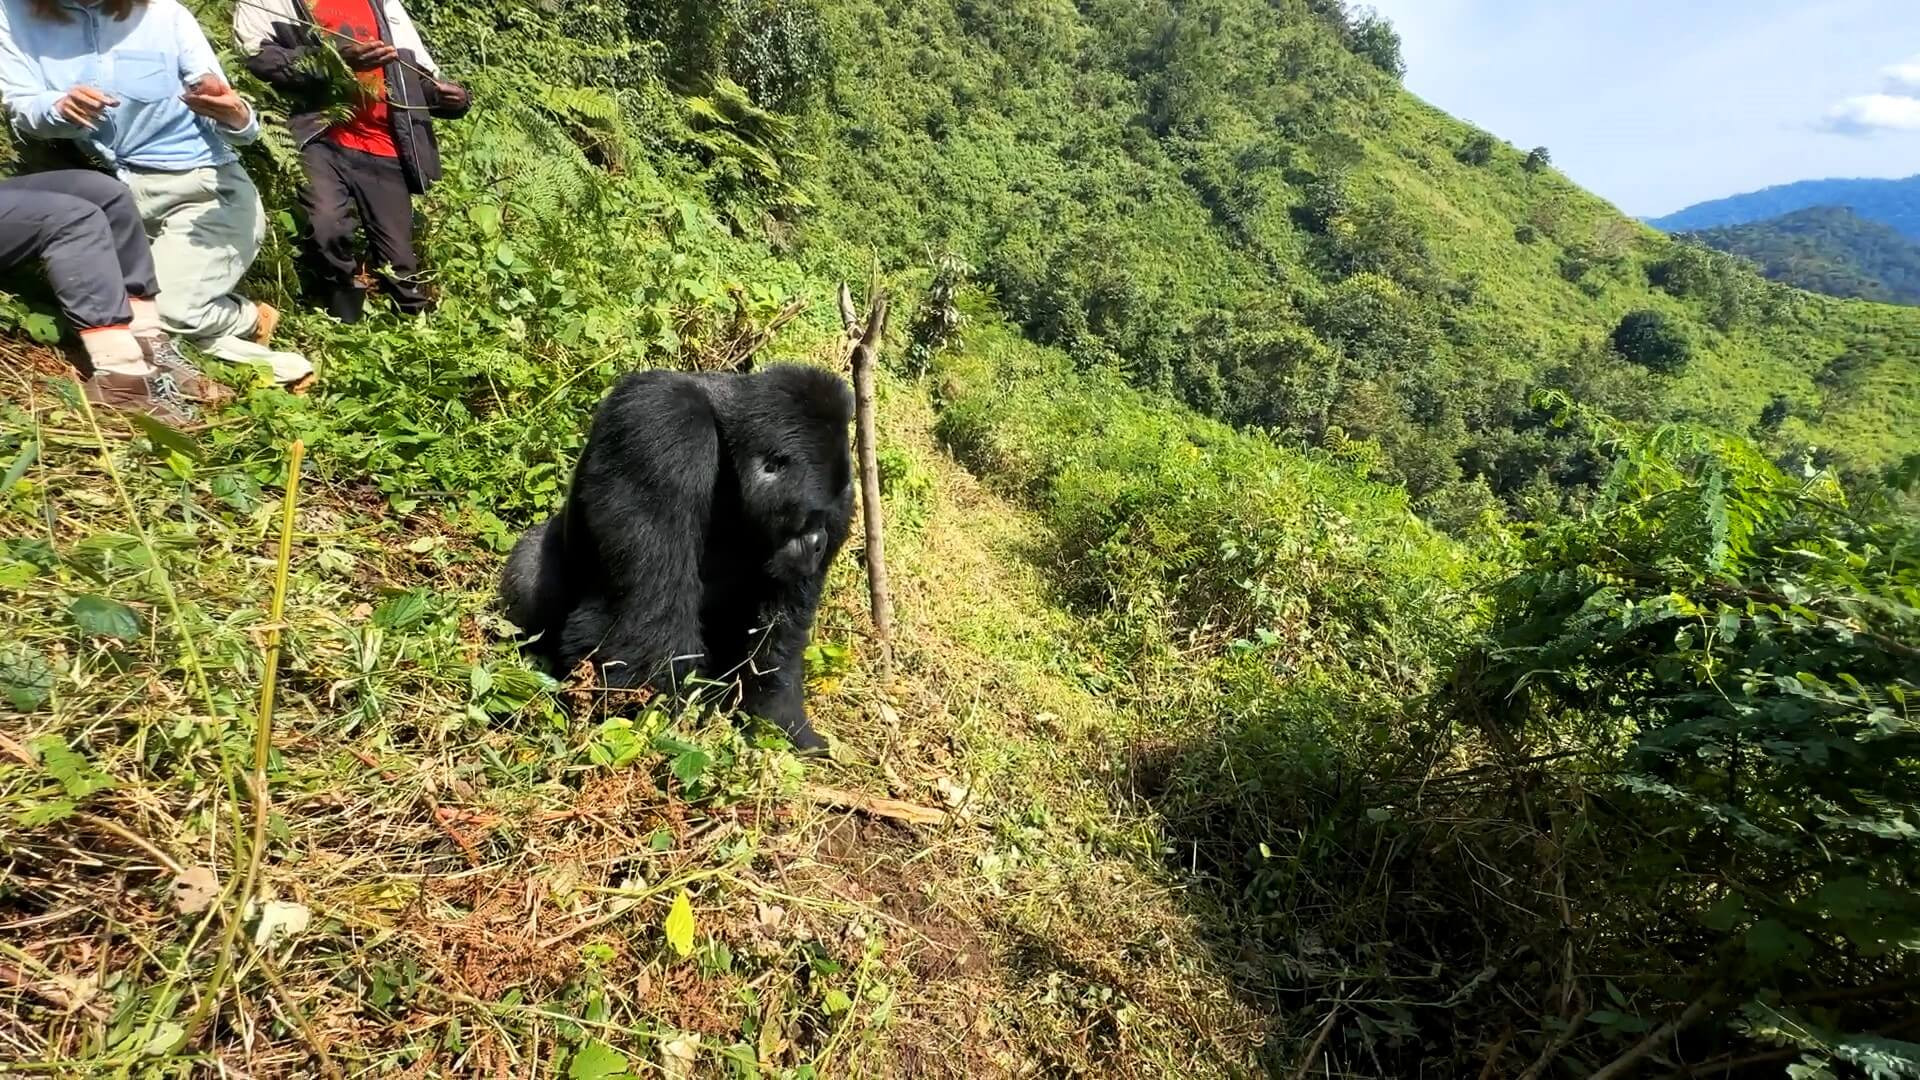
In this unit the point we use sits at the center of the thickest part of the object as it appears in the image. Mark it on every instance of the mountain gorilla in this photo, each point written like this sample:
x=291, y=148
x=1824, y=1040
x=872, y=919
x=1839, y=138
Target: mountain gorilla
x=703, y=515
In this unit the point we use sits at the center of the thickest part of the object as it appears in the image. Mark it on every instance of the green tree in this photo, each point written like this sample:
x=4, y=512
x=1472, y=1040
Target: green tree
x=1653, y=341
x=1537, y=159
x=1375, y=40
x=1477, y=150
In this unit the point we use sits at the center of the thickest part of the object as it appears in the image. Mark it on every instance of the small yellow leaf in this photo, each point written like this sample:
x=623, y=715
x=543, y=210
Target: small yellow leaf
x=679, y=924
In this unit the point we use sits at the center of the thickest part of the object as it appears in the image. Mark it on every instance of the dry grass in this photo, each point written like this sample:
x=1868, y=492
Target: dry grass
x=484, y=892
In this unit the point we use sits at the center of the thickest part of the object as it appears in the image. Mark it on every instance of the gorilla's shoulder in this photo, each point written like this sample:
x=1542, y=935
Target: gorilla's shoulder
x=815, y=393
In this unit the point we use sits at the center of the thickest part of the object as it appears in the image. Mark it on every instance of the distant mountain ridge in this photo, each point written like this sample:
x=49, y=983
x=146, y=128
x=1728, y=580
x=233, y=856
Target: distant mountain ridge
x=1889, y=202
x=1827, y=249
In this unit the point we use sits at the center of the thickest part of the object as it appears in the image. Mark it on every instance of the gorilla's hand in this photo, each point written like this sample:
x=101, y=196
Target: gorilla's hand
x=799, y=558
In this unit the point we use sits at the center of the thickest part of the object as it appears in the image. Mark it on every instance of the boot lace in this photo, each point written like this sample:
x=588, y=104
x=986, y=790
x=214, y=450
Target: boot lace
x=162, y=388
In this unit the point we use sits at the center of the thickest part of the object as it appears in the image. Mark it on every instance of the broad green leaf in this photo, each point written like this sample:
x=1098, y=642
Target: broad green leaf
x=679, y=924
x=97, y=616
x=690, y=765
x=485, y=217
x=836, y=1002
x=167, y=1038
x=1771, y=942
x=42, y=328
x=18, y=573
x=25, y=678
x=166, y=438
x=596, y=1060
x=401, y=612
x=1724, y=914
x=28, y=455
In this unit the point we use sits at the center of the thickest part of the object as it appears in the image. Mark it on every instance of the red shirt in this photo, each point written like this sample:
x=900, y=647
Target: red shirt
x=370, y=131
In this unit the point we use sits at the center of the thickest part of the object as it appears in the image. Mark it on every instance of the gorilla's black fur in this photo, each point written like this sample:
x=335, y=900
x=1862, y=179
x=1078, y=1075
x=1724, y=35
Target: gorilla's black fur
x=703, y=516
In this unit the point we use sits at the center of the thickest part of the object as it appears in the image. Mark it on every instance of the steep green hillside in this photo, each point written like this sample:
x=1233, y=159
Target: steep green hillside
x=1828, y=250
x=1890, y=202
x=1306, y=252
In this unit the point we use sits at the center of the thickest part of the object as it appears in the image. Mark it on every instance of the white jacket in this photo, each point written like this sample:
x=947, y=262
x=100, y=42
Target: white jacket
x=253, y=22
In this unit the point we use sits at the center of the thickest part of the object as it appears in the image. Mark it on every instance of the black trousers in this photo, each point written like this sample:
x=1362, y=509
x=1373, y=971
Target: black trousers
x=347, y=189
x=84, y=226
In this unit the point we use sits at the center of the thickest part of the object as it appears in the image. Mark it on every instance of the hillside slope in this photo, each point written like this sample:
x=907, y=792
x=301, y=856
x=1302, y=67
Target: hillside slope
x=1890, y=202
x=488, y=880
x=1827, y=250
x=1309, y=253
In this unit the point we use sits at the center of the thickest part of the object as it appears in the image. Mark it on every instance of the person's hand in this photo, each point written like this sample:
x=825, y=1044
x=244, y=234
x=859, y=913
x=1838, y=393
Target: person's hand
x=452, y=95
x=85, y=106
x=211, y=97
x=368, y=55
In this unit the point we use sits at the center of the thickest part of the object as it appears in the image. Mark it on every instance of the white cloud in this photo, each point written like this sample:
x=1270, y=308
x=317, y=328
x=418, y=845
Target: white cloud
x=1870, y=113
x=1903, y=79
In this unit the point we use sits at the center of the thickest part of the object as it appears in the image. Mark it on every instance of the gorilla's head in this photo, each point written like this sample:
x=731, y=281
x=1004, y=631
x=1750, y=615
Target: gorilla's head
x=795, y=472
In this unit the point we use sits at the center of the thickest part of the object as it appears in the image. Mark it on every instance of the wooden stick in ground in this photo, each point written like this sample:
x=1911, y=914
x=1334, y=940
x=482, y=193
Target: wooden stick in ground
x=849, y=318
x=865, y=351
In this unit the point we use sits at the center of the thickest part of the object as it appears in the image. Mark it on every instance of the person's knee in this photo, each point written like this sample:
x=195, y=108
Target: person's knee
x=70, y=218
x=110, y=195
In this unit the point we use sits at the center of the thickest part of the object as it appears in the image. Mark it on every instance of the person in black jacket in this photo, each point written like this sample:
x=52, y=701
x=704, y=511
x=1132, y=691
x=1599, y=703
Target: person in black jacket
x=370, y=166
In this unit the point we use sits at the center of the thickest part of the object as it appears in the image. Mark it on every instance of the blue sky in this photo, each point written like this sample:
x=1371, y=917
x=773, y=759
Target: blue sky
x=1658, y=104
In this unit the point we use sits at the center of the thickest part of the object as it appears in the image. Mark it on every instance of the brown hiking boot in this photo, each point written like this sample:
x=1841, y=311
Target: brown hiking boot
x=268, y=322
x=193, y=384
x=150, y=395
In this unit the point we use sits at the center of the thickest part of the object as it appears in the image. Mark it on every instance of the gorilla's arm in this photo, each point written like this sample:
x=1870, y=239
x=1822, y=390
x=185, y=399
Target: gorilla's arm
x=776, y=677
x=534, y=585
x=641, y=504
x=775, y=680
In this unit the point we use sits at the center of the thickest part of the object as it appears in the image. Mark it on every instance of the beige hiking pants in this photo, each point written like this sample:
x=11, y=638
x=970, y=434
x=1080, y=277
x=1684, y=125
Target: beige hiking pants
x=206, y=225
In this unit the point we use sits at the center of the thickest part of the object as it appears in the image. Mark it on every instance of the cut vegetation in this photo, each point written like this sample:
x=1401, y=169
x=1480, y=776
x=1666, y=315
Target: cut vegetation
x=1363, y=608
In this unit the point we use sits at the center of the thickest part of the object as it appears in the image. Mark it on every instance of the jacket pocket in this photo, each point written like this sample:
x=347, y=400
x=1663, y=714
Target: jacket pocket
x=144, y=75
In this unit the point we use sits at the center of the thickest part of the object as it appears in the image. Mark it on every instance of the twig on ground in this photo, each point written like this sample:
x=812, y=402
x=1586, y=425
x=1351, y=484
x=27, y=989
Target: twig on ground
x=172, y=866
x=1624, y=1064
x=441, y=816
x=892, y=809
x=1320, y=1040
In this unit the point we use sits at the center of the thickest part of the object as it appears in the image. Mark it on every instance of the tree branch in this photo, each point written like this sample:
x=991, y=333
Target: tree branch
x=865, y=351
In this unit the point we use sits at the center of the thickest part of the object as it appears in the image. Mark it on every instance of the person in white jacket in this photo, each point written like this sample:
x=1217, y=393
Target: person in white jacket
x=371, y=165
x=135, y=83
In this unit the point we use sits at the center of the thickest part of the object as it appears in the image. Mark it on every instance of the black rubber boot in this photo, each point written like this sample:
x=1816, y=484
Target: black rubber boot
x=347, y=303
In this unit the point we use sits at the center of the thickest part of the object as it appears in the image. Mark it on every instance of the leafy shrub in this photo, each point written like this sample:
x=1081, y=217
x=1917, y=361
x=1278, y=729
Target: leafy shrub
x=1374, y=39
x=1537, y=159
x=1733, y=653
x=776, y=49
x=1652, y=340
x=1477, y=150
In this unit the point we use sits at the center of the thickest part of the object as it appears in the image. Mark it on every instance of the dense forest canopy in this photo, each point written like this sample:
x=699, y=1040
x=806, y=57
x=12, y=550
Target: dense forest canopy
x=1829, y=250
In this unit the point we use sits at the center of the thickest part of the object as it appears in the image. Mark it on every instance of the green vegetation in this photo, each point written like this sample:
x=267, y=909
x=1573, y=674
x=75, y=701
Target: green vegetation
x=1360, y=613
x=1650, y=339
x=1302, y=253
x=1827, y=250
